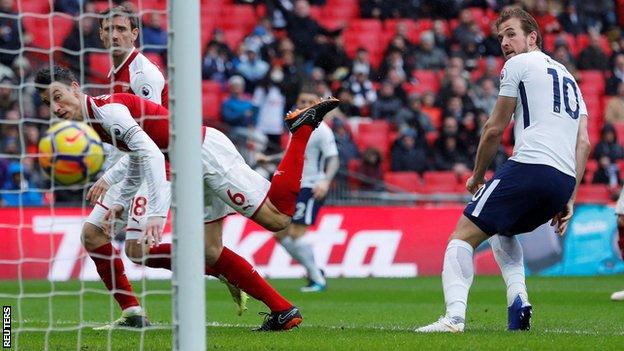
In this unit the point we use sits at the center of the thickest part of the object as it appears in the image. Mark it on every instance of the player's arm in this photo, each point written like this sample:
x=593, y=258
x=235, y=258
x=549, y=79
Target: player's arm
x=113, y=175
x=490, y=139
x=330, y=150
x=148, y=84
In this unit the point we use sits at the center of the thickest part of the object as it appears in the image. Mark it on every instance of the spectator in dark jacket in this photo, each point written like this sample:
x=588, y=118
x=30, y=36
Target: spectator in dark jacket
x=411, y=116
x=572, y=21
x=592, y=57
x=449, y=157
x=617, y=76
x=154, y=36
x=428, y=56
x=409, y=153
x=608, y=145
x=387, y=104
x=90, y=40
x=370, y=170
x=216, y=65
x=607, y=173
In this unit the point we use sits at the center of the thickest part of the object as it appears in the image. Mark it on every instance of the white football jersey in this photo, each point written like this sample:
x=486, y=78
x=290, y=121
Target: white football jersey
x=321, y=145
x=549, y=105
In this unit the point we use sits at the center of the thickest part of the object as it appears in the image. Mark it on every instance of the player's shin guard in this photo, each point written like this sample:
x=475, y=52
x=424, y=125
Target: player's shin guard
x=286, y=181
x=457, y=276
x=242, y=275
x=111, y=269
x=508, y=254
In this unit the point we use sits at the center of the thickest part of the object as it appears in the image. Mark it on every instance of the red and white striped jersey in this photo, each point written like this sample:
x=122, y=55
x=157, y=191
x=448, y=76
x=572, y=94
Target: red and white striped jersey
x=139, y=76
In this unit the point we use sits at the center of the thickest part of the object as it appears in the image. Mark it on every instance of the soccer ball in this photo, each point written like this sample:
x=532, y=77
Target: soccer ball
x=71, y=152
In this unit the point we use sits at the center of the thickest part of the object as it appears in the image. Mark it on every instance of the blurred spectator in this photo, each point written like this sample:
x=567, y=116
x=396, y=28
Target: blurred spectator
x=333, y=58
x=409, y=152
x=614, y=113
x=10, y=33
x=592, y=57
x=562, y=55
x=271, y=102
x=219, y=38
x=608, y=145
x=293, y=76
x=395, y=60
x=492, y=72
x=457, y=89
x=440, y=35
x=304, y=31
x=607, y=173
x=599, y=14
x=571, y=20
x=398, y=79
x=617, y=76
x=252, y=68
x=547, y=22
x=17, y=190
x=216, y=64
x=468, y=31
x=84, y=36
x=490, y=46
x=370, y=169
x=470, y=54
x=31, y=139
x=387, y=104
x=428, y=56
x=412, y=117
x=485, y=95
x=449, y=156
x=237, y=111
x=261, y=37
x=347, y=150
x=8, y=96
x=24, y=78
x=346, y=105
x=361, y=62
x=154, y=36
x=361, y=87
x=71, y=7
x=379, y=9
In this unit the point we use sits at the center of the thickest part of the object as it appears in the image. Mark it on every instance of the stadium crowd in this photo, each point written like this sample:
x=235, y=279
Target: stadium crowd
x=416, y=79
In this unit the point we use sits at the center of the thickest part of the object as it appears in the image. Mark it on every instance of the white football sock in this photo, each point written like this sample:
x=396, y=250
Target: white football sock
x=133, y=310
x=508, y=254
x=457, y=277
x=302, y=252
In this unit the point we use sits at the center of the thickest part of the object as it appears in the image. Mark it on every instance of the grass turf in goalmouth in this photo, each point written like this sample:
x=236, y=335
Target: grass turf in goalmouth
x=353, y=314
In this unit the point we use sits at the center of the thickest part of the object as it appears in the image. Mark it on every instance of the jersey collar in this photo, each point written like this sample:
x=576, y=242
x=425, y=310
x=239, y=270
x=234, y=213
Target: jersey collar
x=87, y=109
x=125, y=62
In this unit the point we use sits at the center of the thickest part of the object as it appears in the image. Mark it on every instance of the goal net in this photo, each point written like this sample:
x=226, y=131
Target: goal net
x=50, y=287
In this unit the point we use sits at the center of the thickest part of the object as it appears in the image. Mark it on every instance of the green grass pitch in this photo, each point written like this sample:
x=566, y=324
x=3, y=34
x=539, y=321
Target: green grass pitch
x=354, y=314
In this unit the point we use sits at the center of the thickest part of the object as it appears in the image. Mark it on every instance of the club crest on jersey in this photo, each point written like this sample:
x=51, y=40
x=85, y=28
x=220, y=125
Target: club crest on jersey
x=146, y=91
x=502, y=75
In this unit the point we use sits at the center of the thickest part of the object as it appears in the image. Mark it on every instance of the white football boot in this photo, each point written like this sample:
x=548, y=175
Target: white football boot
x=444, y=325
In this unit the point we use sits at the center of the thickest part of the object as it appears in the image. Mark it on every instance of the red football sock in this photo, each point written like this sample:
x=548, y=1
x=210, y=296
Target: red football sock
x=286, y=181
x=163, y=259
x=111, y=270
x=240, y=273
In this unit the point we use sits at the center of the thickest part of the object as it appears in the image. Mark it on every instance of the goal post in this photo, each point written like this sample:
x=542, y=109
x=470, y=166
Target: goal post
x=188, y=295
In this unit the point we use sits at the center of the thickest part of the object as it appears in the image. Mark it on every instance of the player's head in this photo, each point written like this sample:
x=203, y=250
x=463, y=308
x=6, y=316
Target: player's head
x=307, y=97
x=119, y=29
x=59, y=89
x=518, y=32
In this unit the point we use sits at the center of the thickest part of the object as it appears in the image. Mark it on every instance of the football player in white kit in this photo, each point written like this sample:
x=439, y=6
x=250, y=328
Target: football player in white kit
x=619, y=211
x=537, y=184
x=320, y=167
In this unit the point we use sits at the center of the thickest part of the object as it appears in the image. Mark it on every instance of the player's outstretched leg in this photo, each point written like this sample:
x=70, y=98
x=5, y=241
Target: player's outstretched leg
x=286, y=181
x=240, y=273
x=110, y=268
x=619, y=295
x=457, y=276
x=160, y=257
x=508, y=254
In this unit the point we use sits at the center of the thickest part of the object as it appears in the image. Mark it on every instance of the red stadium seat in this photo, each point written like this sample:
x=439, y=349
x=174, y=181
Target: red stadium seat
x=593, y=193
x=583, y=41
x=211, y=87
x=427, y=80
x=551, y=39
x=100, y=65
x=435, y=113
x=237, y=17
x=404, y=181
x=375, y=135
x=340, y=12
x=366, y=25
x=211, y=106
x=32, y=6
x=441, y=181
x=592, y=82
x=590, y=169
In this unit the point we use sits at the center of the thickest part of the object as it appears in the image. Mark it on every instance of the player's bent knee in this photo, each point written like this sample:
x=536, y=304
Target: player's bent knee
x=134, y=251
x=212, y=253
x=270, y=218
x=93, y=236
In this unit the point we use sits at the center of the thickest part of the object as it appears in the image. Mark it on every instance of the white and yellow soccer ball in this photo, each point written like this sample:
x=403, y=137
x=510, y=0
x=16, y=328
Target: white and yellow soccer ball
x=71, y=152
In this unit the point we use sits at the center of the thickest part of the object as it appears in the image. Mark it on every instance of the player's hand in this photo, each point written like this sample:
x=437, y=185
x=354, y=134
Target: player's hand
x=261, y=158
x=321, y=189
x=113, y=213
x=97, y=191
x=153, y=231
x=562, y=219
x=473, y=184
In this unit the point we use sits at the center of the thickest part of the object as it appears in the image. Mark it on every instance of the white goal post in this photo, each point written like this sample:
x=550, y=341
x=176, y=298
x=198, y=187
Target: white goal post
x=188, y=296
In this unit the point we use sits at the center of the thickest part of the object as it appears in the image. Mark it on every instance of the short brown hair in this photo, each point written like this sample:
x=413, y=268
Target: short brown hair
x=527, y=22
x=121, y=10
